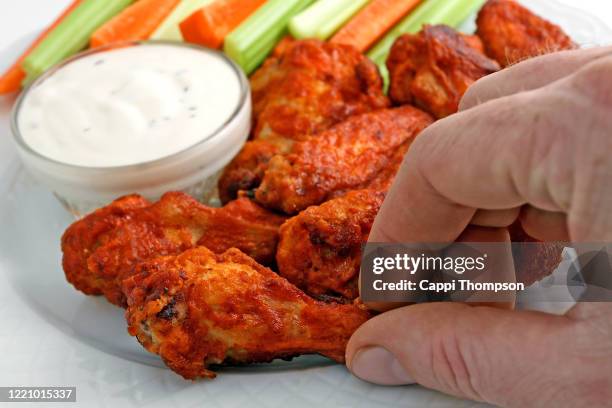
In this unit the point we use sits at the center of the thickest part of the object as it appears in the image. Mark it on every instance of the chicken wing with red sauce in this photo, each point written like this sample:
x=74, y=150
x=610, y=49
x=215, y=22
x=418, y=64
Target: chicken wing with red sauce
x=385, y=177
x=344, y=157
x=199, y=309
x=305, y=87
x=85, y=235
x=98, y=254
x=434, y=68
x=319, y=249
x=512, y=33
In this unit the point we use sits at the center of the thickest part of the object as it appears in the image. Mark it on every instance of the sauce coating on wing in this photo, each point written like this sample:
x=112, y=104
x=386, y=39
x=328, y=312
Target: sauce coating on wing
x=342, y=158
x=199, y=309
x=319, y=249
x=96, y=264
x=306, y=87
x=434, y=68
x=84, y=236
x=512, y=33
x=311, y=86
x=385, y=177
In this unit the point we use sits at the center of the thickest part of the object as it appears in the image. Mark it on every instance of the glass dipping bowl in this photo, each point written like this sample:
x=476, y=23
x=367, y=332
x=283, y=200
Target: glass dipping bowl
x=194, y=170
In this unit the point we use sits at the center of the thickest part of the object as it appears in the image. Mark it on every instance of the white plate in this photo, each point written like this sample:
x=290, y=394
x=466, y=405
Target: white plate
x=53, y=335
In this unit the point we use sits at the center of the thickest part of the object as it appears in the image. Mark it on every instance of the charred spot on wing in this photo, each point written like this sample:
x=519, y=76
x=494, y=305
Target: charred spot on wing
x=167, y=312
x=333, y=299
x=316, y=238
x=344, y=251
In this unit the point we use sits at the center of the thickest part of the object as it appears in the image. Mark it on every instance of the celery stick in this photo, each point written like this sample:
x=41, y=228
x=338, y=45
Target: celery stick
x=323, y=18
x=449, y=12
x=169, y=29
x=71, y=35
x=251, y=42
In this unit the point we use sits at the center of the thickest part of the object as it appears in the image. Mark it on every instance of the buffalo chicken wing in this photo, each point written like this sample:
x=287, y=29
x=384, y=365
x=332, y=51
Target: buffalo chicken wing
x=99, y=252
x=344, y=157
x=434, y=68
x=511, y=33
x=199, y=309
x=320, y=248
x=304, y=88
x=85, y=235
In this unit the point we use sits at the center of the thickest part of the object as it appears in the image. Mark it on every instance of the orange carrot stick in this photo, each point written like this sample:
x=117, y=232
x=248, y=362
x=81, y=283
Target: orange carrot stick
x=372, y=22
x=135, y=23
x=11, y=80
x=211, y=24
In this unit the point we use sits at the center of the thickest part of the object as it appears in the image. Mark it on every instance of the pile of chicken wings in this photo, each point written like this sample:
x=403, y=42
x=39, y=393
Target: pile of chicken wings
x=273, y=272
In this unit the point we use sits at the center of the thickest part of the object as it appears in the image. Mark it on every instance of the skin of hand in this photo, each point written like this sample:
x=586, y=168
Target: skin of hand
x=532, y=142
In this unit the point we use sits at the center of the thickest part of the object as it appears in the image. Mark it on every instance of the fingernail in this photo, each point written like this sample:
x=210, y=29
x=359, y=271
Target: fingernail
x=377, y=365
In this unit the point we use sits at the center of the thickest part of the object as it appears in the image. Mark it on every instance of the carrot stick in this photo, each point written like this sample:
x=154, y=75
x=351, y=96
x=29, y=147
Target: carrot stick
x=11, y=80
x=211, y=24
x=372, y=22
x=134, y=23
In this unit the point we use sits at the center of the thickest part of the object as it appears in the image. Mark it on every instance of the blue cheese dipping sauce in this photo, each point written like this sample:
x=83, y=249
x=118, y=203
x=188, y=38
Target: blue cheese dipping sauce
x=129, y=105
x=141, y=118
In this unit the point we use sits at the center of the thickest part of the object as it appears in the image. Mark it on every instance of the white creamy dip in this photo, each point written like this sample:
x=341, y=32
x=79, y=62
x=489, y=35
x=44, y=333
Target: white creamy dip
x=129, y=105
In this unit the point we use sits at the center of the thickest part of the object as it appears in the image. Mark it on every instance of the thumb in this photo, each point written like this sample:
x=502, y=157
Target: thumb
x=481, y=353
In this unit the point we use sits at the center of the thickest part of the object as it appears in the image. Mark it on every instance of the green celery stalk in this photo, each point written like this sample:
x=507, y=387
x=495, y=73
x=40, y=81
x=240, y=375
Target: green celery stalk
x=251, y=42
x=323, y=18
x=169, y=29
x=71, y=35
x=449, y=12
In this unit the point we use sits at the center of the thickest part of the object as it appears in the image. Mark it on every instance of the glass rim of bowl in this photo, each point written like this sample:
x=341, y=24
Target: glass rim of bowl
x=240, y=76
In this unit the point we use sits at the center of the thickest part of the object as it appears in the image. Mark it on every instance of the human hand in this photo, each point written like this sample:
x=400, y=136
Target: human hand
x=532, y=142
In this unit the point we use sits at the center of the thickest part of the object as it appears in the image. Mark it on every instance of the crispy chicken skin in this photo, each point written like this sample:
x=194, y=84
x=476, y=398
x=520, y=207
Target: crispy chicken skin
x=306, y=87
x=199, y=309
x=320, y=249
x=512, y=33
x=434, y=68
x=384, y=179
x=97, y=257
x=344, y=157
